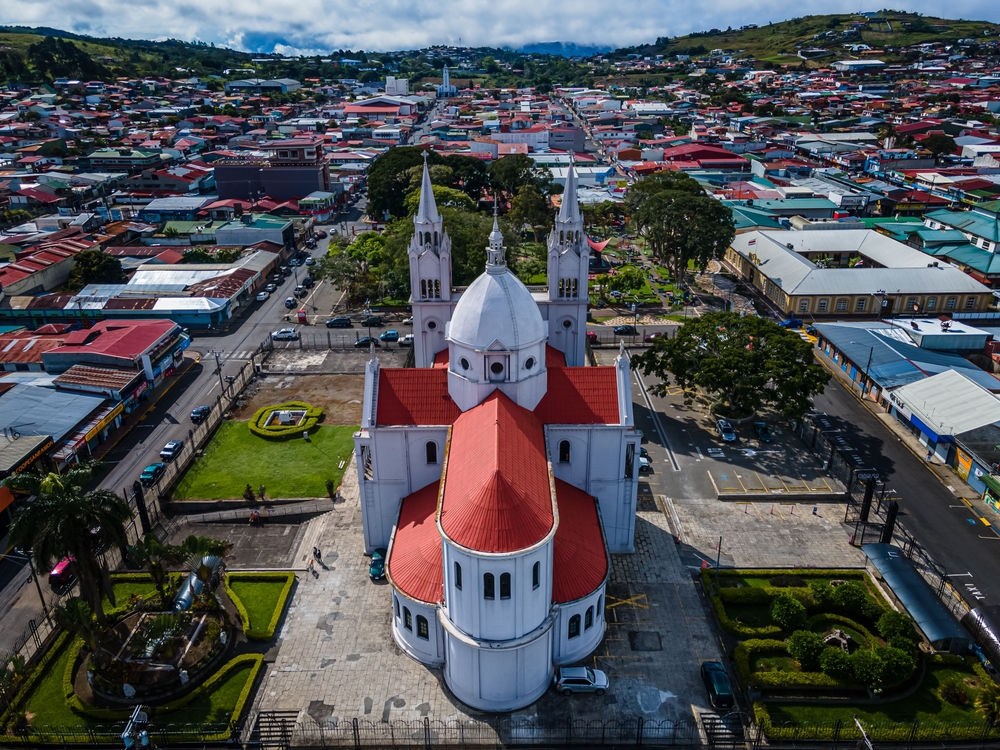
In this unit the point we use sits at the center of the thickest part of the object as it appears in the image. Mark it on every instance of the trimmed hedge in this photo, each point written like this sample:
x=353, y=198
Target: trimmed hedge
x=846, y=622
x=266, y=633
x=738, y=628
x=258, y=424
x=744, y=653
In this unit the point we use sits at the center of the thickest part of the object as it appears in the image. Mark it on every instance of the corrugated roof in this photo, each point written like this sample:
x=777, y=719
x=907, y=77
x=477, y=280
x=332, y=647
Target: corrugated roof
x=414, y=396
x=950, y=403
x=98, y=377
x=580, y=395
x=580, y=561
x=497, y=496
x=414, y=564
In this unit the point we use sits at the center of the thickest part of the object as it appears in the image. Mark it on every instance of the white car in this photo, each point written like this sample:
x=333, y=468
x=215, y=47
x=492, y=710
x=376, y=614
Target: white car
x=407, y=340
x=407, y=321
x=263, y=296
x=285, y=334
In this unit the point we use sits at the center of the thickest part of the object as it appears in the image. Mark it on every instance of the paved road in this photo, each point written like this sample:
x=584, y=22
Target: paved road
x=939, y=520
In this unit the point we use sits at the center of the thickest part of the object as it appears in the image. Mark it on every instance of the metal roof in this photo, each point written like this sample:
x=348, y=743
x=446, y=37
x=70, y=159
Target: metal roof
x=950, y=403
x=915, y=595
x=32, y=410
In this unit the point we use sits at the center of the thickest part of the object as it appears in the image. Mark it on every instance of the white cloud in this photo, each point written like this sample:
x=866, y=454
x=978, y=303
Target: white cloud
x=292, y=26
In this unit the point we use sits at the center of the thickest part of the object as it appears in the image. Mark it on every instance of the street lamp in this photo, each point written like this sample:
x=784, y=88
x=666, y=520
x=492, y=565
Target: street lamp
x=880, y=295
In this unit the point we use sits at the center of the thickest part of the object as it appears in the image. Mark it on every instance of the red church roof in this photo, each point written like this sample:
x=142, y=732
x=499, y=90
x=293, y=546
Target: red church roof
x=414, y=396
x=497, y=496
x=580, y=395
x=579, y=563
x=414, y=563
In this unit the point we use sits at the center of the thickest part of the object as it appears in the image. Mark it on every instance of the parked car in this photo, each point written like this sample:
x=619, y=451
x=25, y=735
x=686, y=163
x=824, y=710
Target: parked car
x=63, y=573
x=310, y=261
x=569, y=680
x=763, y=433
x=171, y=449
x=300, y=291
x=720, y=691
x=285, y=334
x=366, y=341
x=271, y=288
x=408, y=321
x=150, y=474
x=375, y=321
x=649, y=338
x=725, y=430
x=592, y=337
x=790, y=323
x=390, y=335
x=376, y=570
x=279, y=280
x=263, y=296
x=615, y=294
x=645, y=465
x=341, y=321
x=200, y=413
x=290, y=302
x=296, y=261
x=320, y=234
x=407, y=340
x=625, y=331
x=308, y=282
x=643, y=452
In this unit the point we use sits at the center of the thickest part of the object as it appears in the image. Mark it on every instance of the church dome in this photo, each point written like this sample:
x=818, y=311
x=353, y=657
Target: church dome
x=496, y=307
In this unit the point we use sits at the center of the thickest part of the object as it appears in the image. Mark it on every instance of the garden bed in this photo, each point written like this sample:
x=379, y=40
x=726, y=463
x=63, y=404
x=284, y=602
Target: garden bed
x=260, y=598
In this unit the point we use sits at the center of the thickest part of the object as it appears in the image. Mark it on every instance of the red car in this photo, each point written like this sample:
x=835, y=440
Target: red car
x=592, y=337
x=62, y=573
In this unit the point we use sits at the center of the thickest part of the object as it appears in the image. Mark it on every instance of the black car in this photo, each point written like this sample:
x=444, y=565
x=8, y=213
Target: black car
x=625, y=331
x=374, y=321
x=720, y=691
x=339, y=322
x=364, y=341
x=200, y=413
x=308, y=282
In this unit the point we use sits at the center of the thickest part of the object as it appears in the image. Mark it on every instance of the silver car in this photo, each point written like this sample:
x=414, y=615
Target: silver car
x=569, y=680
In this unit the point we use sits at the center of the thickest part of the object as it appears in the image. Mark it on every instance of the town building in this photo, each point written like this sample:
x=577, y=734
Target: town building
x=500, y=473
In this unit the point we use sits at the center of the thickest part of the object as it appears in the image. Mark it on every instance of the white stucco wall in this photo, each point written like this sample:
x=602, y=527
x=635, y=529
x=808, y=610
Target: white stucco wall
x=430, y=650
x=568, y=650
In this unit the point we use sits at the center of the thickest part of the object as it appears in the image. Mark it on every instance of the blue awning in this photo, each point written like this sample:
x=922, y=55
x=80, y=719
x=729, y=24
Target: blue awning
x=917, y=598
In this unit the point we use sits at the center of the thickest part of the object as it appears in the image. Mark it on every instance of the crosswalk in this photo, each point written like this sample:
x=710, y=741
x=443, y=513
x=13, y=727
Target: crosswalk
x=240, y=355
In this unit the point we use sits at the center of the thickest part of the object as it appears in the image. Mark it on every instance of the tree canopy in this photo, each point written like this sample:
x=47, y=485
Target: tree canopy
x=443, y=196
x=529, y=207
x=743, y=364
x=95, y=267
x=939, y=144
x=509, y=173
x=396, y=173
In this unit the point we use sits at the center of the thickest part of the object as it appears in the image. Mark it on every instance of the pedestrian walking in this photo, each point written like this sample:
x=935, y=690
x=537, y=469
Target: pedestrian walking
x=310, y=568
x=317, y=554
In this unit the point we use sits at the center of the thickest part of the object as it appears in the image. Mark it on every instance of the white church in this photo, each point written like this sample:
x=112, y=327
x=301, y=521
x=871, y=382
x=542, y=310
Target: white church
x=501, y=471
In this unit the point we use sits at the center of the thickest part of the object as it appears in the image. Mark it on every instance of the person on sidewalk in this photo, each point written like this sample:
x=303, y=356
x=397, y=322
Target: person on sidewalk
x=317, y=554
x=310, y=568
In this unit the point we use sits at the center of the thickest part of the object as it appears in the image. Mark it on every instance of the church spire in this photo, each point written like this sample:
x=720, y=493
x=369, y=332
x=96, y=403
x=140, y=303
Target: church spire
x=569, y=211
x=495, y=262
x=427, y=212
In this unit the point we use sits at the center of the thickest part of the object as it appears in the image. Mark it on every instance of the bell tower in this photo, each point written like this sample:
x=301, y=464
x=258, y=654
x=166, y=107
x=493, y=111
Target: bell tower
x=568, y=266
x=430, y=276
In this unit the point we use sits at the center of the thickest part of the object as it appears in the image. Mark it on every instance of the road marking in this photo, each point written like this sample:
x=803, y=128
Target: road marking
x=985, y=522
x=656, y=423
x=700, y=456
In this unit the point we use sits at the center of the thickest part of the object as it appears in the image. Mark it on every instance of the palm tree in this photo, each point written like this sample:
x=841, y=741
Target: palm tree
x=76, y=617
x=64, y=521
x=988, y=702
x=151, y=553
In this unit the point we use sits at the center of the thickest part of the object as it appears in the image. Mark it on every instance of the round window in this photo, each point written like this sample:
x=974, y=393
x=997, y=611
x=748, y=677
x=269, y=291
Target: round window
x=529, y=363
x=432, y=325
x=567, y=323
x=496, y=368
x=464, y=363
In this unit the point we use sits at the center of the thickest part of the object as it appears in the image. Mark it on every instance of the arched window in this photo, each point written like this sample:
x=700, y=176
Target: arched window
x=505, y=585
x=435, y=239
x=488, y=587
x=600, y=609
x=536, y=575
x=396, y=602
x=408, y=621
x=422, y=630
x=564, y=451
x=458, y=576
x=432, y=452
x=574, y=626
x=588, y=619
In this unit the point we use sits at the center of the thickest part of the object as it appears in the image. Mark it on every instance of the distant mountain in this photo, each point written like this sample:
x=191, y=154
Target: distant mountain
x=565, y=49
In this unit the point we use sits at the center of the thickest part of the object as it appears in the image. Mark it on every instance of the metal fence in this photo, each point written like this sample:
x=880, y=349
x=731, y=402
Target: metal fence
x=272, y=730
x=110, y=735
x=906, y=733
x=845, y=463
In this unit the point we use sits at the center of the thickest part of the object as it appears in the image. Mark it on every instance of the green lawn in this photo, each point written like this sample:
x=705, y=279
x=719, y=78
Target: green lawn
x=754, y=615
x=924, y=705
x=774, y=663
x=293, y=468
x=259, y=598
x=46, y=706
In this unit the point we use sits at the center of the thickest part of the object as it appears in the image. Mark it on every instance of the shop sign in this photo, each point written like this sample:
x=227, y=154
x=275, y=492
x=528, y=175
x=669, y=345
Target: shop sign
x=96, y=429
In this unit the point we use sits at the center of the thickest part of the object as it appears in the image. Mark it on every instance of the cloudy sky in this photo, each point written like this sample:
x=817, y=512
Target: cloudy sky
x=308, y=26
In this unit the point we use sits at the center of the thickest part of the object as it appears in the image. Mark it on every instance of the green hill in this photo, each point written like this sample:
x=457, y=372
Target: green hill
x=777, y=43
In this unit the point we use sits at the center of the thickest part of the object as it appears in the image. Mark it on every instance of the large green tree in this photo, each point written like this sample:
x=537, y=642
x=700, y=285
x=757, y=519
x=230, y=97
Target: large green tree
x=395, y=174
x=95, y=267
x=743, y=364
x=443, y=196
x=680, y=223
x=509, y=173
x=939, y=144
x=64, y=521
x=530, y=208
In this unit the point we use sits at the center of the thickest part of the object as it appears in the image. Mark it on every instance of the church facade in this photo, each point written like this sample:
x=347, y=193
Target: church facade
x=500, y=472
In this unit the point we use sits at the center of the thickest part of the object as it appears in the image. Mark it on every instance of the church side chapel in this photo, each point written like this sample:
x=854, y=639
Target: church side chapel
x=501, y=471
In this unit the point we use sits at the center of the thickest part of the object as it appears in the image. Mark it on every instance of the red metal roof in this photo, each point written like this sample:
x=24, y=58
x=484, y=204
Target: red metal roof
x=441, y=359
x=579, y=560
x=580, y=395
x=414, y=396
x=497, y=496
x=414, y=563
x=123, y=339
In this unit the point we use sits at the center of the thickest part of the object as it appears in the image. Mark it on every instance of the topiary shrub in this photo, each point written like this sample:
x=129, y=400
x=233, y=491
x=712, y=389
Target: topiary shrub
x=849, y=596
x=836, y=663
x=806, y=647
x=952, y=691
x=822, y=593
x=866, y=667
x=788, y=613
x=259, y=427
x=896, y=625
x=896, y=665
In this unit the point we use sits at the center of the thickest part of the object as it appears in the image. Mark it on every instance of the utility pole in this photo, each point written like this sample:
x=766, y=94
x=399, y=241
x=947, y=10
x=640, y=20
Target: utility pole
x=218, y=367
